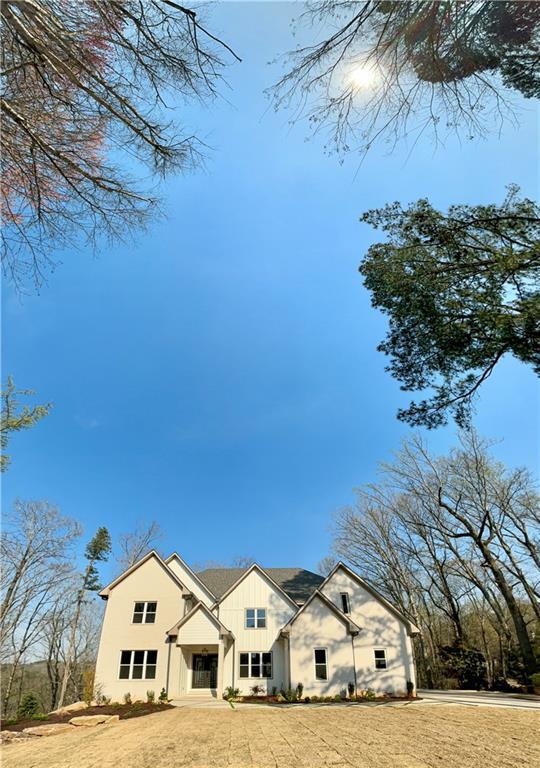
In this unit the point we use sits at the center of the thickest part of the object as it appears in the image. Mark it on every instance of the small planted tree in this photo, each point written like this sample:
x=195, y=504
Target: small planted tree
x=29, y=706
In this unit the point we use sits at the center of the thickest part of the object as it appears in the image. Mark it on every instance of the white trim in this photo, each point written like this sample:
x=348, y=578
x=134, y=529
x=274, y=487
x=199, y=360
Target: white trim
x=315, y=665
x=261, y=676
x=352, y=626
x=144, y=612
x=375, y=667
x=256, y=618
x=241, y=578
x=132, y=663
x=104, y=593
x=192, y=573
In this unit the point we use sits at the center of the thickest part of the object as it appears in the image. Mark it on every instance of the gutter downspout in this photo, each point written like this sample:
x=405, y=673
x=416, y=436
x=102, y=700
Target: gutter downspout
x=168, y=667
x=354, y=666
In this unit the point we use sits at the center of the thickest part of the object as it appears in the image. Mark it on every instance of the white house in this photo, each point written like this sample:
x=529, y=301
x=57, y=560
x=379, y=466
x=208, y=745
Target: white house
x=197, y=633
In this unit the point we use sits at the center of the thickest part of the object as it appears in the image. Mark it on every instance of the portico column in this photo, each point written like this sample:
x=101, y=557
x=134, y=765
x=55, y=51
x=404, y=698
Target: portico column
x=221, y=664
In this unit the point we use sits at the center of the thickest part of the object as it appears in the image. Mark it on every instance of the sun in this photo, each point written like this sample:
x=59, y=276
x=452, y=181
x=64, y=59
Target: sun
x=364, y=76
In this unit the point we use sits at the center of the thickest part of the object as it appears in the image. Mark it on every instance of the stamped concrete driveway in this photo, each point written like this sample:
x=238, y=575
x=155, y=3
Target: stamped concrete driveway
x=482, y=698
x=414, y=736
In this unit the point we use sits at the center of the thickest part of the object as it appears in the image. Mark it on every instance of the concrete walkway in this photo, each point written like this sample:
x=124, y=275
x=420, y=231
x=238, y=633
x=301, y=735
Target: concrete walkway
x=482, y=698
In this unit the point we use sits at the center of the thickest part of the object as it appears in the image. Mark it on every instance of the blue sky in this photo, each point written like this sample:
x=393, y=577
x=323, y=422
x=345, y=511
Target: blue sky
x=219, y=374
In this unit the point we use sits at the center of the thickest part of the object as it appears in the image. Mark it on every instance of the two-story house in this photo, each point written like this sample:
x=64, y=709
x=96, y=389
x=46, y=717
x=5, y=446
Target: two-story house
x=197, y=633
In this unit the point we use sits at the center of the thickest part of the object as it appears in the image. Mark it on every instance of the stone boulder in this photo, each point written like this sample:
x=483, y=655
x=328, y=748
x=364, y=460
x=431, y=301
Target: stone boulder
x=50, y=729
x=90, y=720
x=70, y=708
x=7, y=736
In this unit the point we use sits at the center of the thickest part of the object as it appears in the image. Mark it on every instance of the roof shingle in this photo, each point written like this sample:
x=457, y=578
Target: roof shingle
x=296, y=582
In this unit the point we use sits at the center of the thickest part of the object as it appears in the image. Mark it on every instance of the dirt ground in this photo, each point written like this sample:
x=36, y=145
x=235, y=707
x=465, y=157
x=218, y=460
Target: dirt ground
x=414, y=736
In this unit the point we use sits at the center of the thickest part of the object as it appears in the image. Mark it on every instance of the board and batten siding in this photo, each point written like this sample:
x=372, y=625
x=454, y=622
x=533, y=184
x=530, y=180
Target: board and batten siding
x=380, y=629
x=149, y=582
x=189, y=582
x=199, y=629
x=256, y=591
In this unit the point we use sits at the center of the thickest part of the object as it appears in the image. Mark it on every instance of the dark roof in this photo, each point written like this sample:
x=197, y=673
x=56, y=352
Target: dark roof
x=296, y=582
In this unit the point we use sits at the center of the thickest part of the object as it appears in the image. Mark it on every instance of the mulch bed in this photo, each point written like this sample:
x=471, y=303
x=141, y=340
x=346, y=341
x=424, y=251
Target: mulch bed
x=276, y=700
x=125, y=711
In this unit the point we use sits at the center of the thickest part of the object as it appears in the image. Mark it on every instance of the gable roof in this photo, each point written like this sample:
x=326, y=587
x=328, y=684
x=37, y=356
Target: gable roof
x=297, y=583
x=196, y=577
x=352, y=626
x=104, y=593
x=411, y=628
x=200, y=606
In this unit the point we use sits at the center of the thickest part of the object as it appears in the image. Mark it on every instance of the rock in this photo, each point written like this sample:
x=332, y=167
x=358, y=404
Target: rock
x=91, y=720
x=70, y=708
x=7, y=736
x=48, y=730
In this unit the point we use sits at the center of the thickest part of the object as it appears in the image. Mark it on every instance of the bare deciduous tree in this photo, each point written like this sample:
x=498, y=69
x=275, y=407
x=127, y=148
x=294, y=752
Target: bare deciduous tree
x=86, y=93
x=135, y=544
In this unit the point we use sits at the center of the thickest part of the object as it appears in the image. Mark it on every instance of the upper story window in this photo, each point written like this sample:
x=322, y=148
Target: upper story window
x=345, y=602
x=138, y=665
x=321, y=663
x=255, y=618
x=144, y=613
x=380, y=658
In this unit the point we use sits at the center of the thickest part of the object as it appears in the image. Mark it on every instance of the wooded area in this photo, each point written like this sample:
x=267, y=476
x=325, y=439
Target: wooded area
x=453, y=541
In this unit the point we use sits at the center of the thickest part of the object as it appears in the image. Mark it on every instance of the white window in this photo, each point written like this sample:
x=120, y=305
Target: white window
x=255, y=618
x=321, y=663
x=345, y=602
x=380, y=658
x=256, y=664
x=138, y=665
x=144, y=613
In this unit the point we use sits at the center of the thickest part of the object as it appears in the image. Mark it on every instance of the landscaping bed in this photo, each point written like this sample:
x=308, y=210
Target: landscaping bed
x=280, y=700
x=124, y=711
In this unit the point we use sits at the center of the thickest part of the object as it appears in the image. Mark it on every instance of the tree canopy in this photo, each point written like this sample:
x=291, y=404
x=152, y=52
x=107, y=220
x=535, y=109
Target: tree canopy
x=392, y=69
x=86, y=87
x=460, y=290
x=15, y=418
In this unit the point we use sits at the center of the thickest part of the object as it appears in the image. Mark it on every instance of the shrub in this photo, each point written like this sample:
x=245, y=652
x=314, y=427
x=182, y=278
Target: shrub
x=329, y=698
x=231, y=692
x=314, y=698
x=289, y=694
x=29, y=706
x=256, y=690
x=410, y=688
x=88, y=685
x=40, y=717
x=299, y=690
x=535, y=680
x=350, y=688
x=337, y=697
x=307, y=700
x=163, y=696
x=127, y=698
x=150, y=697
x=274, y=690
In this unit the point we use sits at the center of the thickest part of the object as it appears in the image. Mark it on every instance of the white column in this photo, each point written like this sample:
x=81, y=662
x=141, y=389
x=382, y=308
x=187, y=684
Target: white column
x=221, y=664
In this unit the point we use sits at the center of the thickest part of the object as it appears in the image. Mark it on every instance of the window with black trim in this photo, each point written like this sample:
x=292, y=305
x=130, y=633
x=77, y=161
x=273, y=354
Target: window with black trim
x=138, y=665
x=321, y=663
x=380, y=658
x=144, y=613
x=256, y=664
x=255, y=618
x=345, y=602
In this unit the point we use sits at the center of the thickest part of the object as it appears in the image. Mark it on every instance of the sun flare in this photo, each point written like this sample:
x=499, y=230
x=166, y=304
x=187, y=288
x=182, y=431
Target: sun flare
x=364, y=76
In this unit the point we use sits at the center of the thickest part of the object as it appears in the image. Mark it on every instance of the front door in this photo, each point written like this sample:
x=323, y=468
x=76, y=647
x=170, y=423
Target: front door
x=205, y=670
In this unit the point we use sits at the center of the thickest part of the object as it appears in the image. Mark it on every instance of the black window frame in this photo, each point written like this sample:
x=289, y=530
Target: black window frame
x=345, y=602
x=262, y=661
x=144, y=613
x=381, y=662
x=133, y=662
x=318, y=664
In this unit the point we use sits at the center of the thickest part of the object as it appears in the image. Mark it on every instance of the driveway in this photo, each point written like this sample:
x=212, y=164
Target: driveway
x=482, y=698
x=413, y=736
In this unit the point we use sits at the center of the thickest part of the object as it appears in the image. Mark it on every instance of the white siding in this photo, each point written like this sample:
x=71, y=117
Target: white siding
x=318, y=627
x=380, y=628
x=255, y=591
x=199, y=629
x=189, y=582
x=149, y=582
